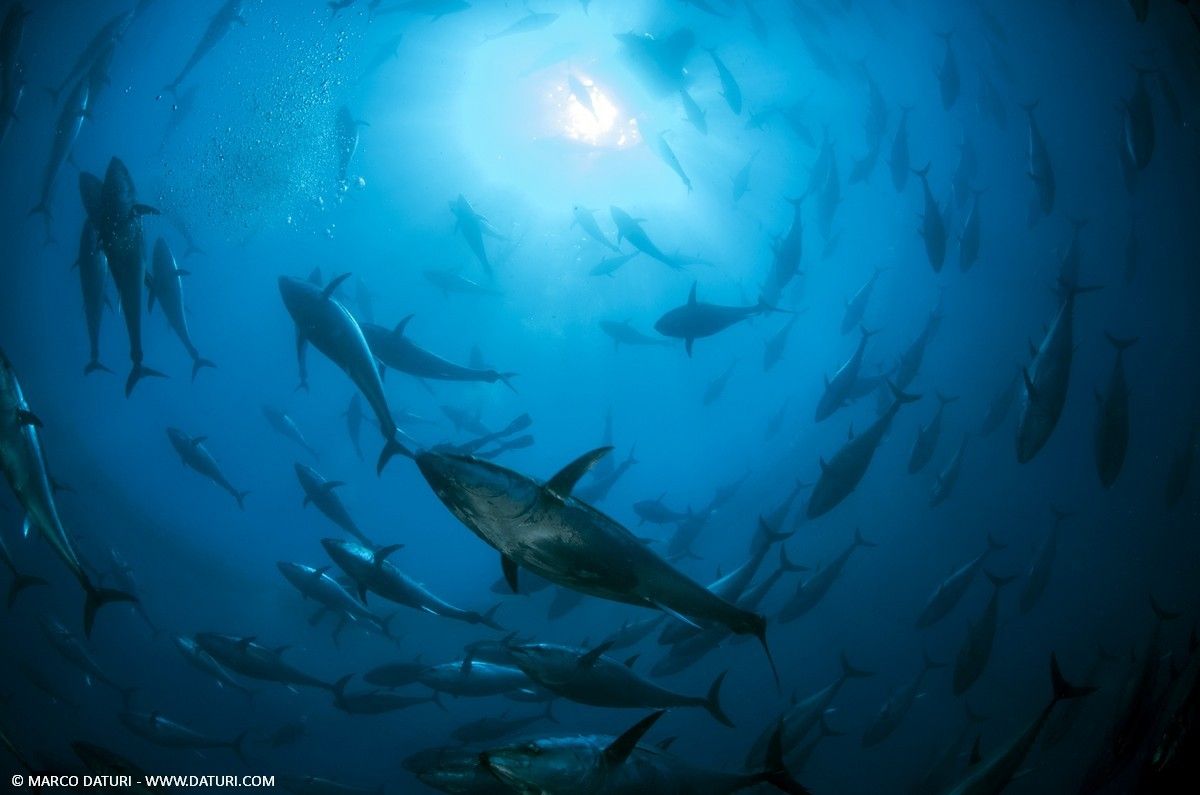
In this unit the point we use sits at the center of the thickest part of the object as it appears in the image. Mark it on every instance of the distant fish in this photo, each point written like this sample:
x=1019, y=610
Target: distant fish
x=933, y=225
x=1039, y=168
x=1038, y=576
x=449, y=281
x=370, y=702
x=1001, y=405
x=582, y=93
x=773, y=351
x=321, y=320
x=588, y=676
x=856, y=305
x=659, y=62
x=1046, y=380
x=585, y=220
x=787, y=254
x=991, y=102
x=729, y=85
x=970, y=238
x=837, y=389
x=926, y=442
x=393, y=348
x=1139, y=123
x=630, y=228
x=283, y=424
x=435, y=9
x=346, y=142
x=527, y=24
x=165, y=283
x=195, y=456
x=159, y=730
x=246, y=657
x=222, y=22
x=717, y=387
x=697, y=319
x=897, y=707
x=1179, y=472
x=489, y=728
x=108, y=35
x=1112, y=423
x=93, y=271
x=811, y=591
x=741, y=180
x=950, y=591
x=317, y=585
x=667, y=155
x=473, y=226
x=20, y=580
x=695, y=116
x=976, y=648
x=610, y=265
x=70, y=119
x=842, y=473
x=899, y=161
x=948, y=477
x=321, y=493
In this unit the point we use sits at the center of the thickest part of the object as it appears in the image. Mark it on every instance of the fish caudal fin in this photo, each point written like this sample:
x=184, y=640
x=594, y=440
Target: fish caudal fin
x=712, y=701
x=93, y=366
x=390, y=448
x=240, y=496
x=775, y=773
x=97, y=598
x=136, y=374
x=1062, y=688
x=198, y=364
x=19, y=583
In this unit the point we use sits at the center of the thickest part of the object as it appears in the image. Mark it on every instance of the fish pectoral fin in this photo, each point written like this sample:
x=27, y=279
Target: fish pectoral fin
x=620, y=749
x=509, y=566
x=591, y=657
x=566, y=478
x=26, y=417
x=677, y=615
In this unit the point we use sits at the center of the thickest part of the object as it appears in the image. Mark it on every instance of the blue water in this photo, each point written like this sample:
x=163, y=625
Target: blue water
x=250, y=170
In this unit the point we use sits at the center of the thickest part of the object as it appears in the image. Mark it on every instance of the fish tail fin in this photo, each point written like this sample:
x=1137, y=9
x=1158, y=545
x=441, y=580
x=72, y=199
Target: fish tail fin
x=945, y=399
x=901, y=397
x=712, y=701
x=922, y=172
x=993, y=545
x=19, y=583
x=191, y=249
x=390, y=448
x=1161, y=613
x=97, y=598
x=1120, y=343
x=506, y=379
x=1062, y=688
x=240, y=496
x=850, y=672
x=43, y=208
x=930, y=663
x=859, y=541
x=238, y=746
x=172, y=87
x=93, y=366
x=137, y=373
x=488, y=619
x=775, y=772
x=760, y=632
x=199, y=363
x=999, y=582
x=1029, y=107
x=339, y=687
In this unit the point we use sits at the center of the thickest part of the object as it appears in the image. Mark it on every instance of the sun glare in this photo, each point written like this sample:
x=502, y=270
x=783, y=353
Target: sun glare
x=590, y=116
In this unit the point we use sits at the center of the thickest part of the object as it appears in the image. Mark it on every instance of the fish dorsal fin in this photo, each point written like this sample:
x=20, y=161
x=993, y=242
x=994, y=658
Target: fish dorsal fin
x=620, y=748
x=380, y=555
x=633, y=659
x=319, y=573
x=330, y=485
x=566, y=478
x=196, y=441
x=692, y=295
x=26, y=417
x=399, y=329
x=327, y=293
x=589, y=659
x=245, y=642
x=509, y=566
